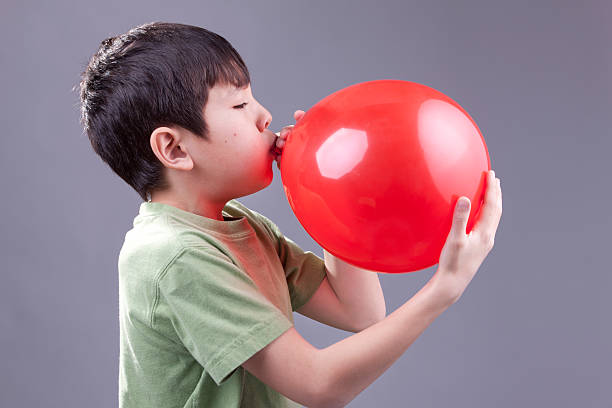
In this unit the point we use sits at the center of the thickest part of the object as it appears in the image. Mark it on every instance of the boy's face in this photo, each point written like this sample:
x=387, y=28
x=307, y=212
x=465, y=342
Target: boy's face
x=238, y=159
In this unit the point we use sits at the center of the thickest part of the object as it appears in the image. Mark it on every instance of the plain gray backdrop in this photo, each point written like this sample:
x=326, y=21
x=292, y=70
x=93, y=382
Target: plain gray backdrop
x=531, y=330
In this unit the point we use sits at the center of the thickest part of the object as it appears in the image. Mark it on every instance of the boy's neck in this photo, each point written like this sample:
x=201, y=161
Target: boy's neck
x=201, y=207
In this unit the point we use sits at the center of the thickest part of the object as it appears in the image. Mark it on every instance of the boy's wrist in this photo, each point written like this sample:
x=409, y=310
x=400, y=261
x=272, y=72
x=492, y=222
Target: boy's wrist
x=440, y=292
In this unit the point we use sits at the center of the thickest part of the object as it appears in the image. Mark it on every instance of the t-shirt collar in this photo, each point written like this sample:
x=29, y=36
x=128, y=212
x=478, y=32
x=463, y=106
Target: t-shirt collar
x=230, y=226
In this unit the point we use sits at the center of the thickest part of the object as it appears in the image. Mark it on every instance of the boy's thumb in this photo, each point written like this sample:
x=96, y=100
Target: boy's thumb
x=461, y=215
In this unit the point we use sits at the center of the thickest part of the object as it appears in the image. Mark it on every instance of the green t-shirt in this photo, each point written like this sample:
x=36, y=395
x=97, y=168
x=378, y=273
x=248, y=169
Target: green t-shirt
x=197, y=298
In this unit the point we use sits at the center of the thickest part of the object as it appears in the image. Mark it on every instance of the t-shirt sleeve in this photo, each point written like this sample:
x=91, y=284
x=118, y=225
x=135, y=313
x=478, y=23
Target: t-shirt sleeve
x=217, y=310
x=304, y=270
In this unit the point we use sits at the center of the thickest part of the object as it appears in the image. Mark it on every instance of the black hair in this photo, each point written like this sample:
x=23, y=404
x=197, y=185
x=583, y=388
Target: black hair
x=156, y=74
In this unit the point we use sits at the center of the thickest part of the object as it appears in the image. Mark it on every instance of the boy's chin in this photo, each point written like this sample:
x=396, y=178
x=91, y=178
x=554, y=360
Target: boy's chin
x=270, y=175
x=267, y=180
x=267, y=176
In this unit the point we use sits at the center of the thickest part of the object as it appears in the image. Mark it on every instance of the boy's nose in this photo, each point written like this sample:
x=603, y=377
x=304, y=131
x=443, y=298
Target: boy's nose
x=264, y=120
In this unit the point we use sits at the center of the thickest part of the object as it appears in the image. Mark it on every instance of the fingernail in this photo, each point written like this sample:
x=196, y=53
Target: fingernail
x=463, y=204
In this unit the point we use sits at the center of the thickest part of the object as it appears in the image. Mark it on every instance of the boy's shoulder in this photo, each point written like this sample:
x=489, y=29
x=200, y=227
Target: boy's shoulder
x=151, y=242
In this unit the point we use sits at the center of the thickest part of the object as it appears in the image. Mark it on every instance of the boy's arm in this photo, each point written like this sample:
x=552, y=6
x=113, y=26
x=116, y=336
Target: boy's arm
x=349, y=298
x=333, y=376
x=357, y=289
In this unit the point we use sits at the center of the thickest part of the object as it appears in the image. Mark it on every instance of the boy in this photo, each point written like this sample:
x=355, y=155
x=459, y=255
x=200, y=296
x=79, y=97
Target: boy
x=207, y=286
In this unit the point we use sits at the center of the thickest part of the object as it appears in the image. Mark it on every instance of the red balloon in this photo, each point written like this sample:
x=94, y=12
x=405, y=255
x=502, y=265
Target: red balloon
x=373, y=173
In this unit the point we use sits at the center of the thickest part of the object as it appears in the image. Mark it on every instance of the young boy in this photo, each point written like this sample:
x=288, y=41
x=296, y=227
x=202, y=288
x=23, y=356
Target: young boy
x=207, y=286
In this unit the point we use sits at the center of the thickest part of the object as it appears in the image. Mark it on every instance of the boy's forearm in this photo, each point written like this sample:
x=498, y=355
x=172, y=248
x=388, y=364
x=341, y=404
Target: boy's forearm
x=352, y=364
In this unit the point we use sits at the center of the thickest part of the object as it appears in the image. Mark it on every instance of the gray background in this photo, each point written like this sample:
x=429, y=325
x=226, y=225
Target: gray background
x=531, y=330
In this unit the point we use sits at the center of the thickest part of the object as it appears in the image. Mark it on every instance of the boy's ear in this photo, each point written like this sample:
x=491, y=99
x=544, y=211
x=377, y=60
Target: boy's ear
x=168, y=147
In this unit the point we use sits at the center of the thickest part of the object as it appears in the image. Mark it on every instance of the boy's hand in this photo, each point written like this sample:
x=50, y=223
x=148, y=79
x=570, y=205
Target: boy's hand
x=283, y=135
x=463, y=253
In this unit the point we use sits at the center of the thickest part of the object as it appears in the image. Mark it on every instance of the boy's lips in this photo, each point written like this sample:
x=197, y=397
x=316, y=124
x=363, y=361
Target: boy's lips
x=273, y=148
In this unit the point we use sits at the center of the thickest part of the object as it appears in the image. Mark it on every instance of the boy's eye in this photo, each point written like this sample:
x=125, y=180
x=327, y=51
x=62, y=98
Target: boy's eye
x=242, y=105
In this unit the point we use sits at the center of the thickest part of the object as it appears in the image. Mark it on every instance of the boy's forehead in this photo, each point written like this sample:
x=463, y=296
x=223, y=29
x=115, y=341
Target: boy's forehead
x=228, y=91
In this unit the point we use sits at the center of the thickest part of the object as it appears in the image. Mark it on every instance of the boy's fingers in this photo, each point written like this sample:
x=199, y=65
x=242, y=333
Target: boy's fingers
x=491, y=210
x=298, y=114
x=285, y=131
x=499, y=194
x=460, y=217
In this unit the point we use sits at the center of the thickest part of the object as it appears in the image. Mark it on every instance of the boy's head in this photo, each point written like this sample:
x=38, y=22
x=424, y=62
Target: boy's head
x=169, y=108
